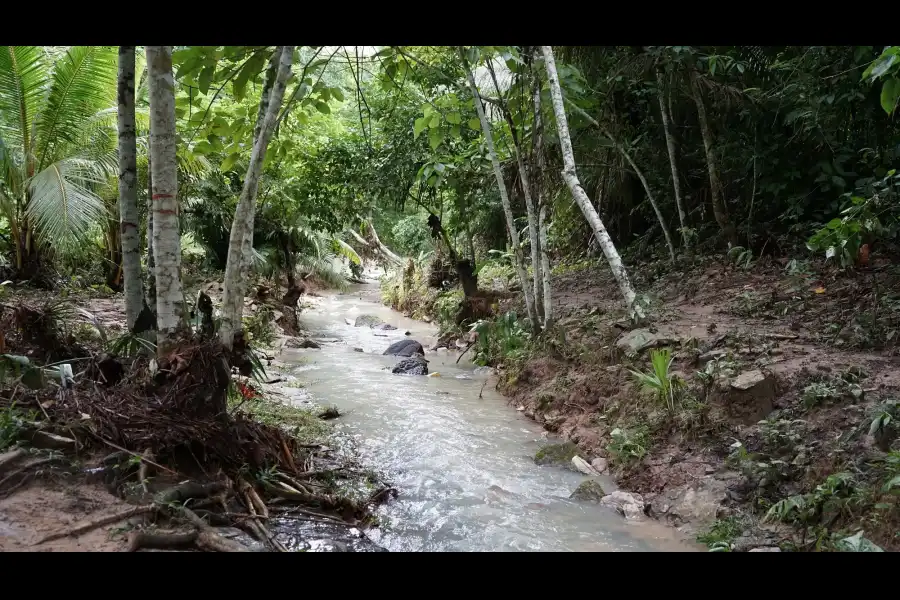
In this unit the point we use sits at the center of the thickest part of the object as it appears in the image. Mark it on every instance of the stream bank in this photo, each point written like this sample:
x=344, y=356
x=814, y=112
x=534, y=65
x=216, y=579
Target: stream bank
x=787, y=385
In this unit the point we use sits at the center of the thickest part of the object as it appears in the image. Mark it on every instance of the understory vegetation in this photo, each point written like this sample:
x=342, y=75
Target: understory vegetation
x=681, y=259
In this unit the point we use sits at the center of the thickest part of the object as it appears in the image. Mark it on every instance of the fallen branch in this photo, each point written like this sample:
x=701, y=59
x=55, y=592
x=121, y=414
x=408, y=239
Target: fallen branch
x=24, y=469
x=91, y=525
x=191, y=490
x=8, y=458
x=161, y=541
x=208, y=539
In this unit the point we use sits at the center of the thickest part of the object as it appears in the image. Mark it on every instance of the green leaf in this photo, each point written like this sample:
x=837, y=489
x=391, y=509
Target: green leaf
x=419, y=127
x=455, y=131
x=203, y=148
x=890, y=93
x=337, y=94
x=435, y=137
x=322, y=107
x=474, y=124
x=454, y=118
x=238, y=88
x=435, y=121
x=206, y=77
x=229, y=162
x=834, y=223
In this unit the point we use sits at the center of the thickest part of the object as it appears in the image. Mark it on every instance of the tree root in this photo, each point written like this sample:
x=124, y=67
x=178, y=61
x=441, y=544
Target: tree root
x=162, y=541
x=191, y=490
x=21, y=470
x=208, y=539
x=91, y=525
x=8, y=458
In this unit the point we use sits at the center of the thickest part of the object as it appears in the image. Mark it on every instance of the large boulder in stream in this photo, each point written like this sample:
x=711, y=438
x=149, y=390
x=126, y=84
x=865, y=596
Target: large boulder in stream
x=373, y=322
x=404, y=348
x=416, y=365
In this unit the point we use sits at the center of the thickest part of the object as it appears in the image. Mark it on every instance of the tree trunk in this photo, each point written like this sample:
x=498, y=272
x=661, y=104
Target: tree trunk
x=150, y=297
x=530, y=208
x=504, y=197
x=670, y=146
x=129, y=218
x=640, y=175
x=164, y=200
x=720, y=212
x=385, y=251
x=241, y=239
x=581, y=198
x=538, y=183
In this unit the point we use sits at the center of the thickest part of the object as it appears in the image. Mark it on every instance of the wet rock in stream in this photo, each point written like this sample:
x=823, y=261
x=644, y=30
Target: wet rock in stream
x=373, y=322
x=411, y=366
x=589, y=490
x=404, y=348
x=557, y=454
x=300, y=343
x=318, y=536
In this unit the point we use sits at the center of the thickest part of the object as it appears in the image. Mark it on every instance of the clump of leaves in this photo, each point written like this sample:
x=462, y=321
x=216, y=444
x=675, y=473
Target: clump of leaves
x=501, y=339
x=628, y=445
x=722, y=533
x=663, y=384
x=260, y=326
x=832, y=497
x=12, y=423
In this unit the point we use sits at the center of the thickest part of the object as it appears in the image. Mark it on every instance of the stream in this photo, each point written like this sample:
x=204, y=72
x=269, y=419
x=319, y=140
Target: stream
x=463, y=464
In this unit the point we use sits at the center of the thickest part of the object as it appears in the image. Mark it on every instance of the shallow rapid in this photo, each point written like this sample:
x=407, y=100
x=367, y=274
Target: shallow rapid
x=459, y=455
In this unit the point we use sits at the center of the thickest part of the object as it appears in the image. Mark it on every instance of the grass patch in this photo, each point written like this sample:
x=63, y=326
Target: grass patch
x=305, y=425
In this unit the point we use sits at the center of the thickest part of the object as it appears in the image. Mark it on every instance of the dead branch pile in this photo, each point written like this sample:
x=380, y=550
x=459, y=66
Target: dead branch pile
x=174, y=424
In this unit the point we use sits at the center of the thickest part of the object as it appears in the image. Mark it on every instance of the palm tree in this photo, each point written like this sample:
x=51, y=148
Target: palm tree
x=57, y=143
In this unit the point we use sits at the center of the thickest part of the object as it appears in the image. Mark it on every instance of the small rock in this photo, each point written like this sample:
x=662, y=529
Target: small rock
x=484, y=371
x=637, y=340
x=408, y=333
x=357, y=349
x=411, y=366
x=600, y=465
x=749, y=398
x=367, y=321
x=766, y=549
x=300, y=343
x=556, y=454
x=404, y=348
x=588, y=490
x=628, y=504
x=582, y=465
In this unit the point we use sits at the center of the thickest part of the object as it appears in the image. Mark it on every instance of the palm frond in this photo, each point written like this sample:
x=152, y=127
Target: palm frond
x=62, y=207
x=23, y=74
x=82, y=83
x=346, y=250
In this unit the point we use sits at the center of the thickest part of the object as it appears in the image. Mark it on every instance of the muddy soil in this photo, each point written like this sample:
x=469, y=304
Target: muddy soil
x=818, y=347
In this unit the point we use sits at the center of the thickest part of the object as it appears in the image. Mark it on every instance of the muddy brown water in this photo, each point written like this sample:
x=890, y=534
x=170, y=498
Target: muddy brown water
x=463, y=464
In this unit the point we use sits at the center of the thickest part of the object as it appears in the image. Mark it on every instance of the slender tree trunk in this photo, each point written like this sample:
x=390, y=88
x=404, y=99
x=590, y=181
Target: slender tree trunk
x=581, y=198
x=150, y=297
x=129, y=218
x=720, y=212
x=537, y=181
x=504, y=197
x=530, y=207
x=670, y=146
x=240, y=241
x=166, y=235
x=640, y=175
x=387, y=252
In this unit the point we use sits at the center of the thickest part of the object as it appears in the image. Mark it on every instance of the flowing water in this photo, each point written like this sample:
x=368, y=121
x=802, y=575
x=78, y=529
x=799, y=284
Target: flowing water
x=459, y=455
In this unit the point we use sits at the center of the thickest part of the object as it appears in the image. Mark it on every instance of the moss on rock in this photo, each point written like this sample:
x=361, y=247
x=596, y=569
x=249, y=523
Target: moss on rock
x=556, y=454
x=588, y=490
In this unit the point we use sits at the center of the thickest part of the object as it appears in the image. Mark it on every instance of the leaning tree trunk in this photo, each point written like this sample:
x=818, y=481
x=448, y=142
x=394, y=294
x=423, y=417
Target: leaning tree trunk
x=150, y=297
x=166, y=234
x=581, y=198
x=504, y=196
x=670, y=146
x=720, y=212
x=240, y=242
x=129, y=217
x=538, y=183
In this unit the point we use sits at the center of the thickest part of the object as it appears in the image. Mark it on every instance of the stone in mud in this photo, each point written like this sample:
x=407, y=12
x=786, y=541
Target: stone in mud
x=748, y=398
x=633, y=342
x=631, y=506
x=411, y=366
x=588, y=490
x=300, y=343
x=698, y=502
x=404, y=348
x=556, y=454
x=368, y=321
x=600, y=464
